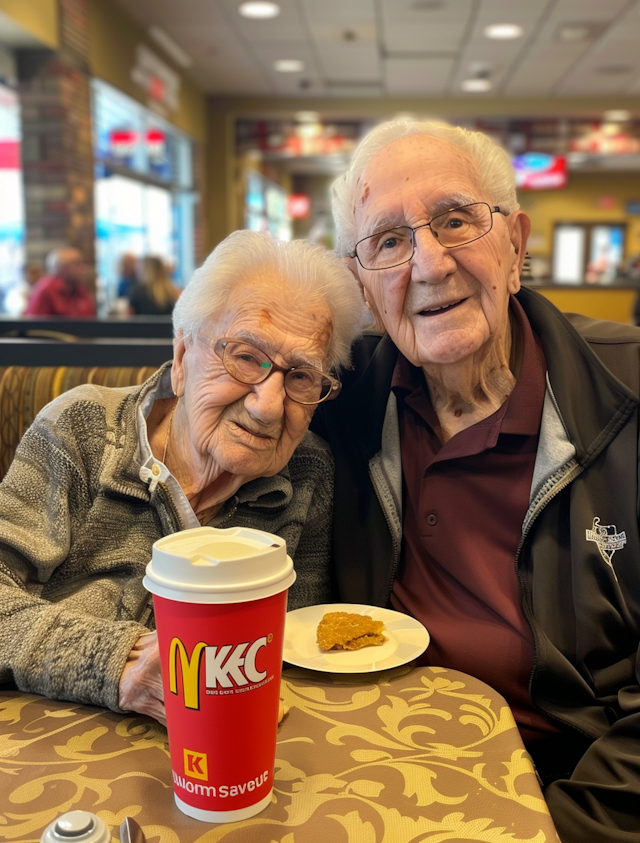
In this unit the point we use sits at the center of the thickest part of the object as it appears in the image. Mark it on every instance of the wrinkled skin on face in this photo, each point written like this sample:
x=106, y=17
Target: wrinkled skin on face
x=225, y=433
x=446, y=309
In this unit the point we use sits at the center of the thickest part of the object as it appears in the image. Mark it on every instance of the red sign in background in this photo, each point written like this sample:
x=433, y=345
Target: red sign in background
x=9, y=155
x=299, y=206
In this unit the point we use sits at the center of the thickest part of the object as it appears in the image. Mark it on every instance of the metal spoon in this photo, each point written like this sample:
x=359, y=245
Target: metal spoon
x=130, y=831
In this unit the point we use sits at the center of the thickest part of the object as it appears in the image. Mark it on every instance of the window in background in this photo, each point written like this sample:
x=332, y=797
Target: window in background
x=145, y=202
x=266, y=207
x=11, y=199
x=587, y=253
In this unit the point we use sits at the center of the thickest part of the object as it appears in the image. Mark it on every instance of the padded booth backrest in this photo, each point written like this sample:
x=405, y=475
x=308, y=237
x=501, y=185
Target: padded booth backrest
x=24, y=391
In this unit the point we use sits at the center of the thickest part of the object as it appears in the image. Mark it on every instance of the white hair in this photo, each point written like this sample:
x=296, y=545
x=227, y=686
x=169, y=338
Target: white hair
x=308, y=270
x=491, y=161
x=57, y=258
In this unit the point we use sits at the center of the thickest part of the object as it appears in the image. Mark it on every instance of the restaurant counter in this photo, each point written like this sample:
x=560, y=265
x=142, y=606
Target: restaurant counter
x=422, y=754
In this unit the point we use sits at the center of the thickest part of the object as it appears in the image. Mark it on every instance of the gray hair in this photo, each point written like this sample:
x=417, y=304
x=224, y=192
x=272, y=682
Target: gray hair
x=491, y=160
x=58, y=257
x=309, y=270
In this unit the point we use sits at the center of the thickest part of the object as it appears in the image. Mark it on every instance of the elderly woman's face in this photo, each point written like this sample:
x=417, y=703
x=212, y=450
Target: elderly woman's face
x=445, y=304
x=251, y=430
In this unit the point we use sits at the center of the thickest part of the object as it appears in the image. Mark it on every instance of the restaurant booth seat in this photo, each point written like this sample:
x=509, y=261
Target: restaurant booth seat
x=24, y=391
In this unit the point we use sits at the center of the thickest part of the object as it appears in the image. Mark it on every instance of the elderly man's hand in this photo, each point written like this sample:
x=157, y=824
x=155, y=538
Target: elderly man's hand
x=141, y=683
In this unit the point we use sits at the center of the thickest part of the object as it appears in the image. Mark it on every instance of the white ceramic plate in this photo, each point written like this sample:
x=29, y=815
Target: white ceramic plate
x=407, y=638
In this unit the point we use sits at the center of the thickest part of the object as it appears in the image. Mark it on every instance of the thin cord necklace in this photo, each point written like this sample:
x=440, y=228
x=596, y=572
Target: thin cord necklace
x=168, y=433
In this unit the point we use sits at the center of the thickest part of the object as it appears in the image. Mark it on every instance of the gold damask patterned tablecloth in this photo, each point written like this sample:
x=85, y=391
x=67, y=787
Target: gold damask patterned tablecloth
x=405, y=756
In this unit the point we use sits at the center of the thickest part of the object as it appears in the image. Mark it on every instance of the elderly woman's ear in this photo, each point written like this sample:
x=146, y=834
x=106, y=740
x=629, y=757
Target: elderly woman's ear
x=519, y=229
x=177, y=370
x=376, y=321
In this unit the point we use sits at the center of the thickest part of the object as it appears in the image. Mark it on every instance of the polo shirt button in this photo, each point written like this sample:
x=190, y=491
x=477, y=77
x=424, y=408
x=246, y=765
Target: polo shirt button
x=156, y=470
x=432, y=519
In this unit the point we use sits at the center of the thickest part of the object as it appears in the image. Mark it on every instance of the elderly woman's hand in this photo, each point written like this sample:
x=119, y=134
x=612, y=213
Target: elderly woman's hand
x=141, y=683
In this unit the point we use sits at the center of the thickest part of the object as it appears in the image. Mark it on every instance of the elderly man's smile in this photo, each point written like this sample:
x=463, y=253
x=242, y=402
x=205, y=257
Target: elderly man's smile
x=441, y=308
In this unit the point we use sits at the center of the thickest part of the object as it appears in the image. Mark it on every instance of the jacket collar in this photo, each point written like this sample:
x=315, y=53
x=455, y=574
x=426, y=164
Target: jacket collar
x=576, y=375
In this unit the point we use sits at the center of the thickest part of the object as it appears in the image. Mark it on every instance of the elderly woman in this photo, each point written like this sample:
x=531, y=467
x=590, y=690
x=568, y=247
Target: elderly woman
x=486, y=453
x=216, y=437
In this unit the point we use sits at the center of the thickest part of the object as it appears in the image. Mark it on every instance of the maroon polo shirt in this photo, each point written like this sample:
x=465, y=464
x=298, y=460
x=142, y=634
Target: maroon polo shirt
x=464, y=504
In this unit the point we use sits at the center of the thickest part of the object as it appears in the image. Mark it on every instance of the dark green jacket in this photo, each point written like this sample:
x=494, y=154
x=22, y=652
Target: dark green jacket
x=580, y=589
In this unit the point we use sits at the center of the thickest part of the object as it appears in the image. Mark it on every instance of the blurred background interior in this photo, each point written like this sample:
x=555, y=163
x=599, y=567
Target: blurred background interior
x=150, y=129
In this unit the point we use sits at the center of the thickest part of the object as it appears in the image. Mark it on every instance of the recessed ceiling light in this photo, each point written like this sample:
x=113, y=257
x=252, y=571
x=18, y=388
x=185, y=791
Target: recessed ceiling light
x=578, y=31
x=476, y=85
x=288, y=66
x=259, y=10
x=617, y=115
x=503, y=31
x=307, y=117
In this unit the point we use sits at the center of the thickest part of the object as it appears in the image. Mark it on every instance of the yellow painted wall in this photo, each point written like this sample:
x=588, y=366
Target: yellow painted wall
x=597, y=302
x=113, y=40
x=581, y=202
x=38, y=17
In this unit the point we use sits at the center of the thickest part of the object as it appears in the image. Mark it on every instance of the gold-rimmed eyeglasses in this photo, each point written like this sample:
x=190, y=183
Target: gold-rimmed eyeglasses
x=249, y=364
x=452, y=228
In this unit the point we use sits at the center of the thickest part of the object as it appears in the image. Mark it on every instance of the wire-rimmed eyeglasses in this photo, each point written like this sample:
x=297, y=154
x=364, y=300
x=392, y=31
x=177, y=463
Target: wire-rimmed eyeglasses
x=249, y=364
x=452, y=228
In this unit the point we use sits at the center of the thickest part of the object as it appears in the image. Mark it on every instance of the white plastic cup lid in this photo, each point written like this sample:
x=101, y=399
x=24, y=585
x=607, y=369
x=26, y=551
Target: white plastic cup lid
x=207, y=565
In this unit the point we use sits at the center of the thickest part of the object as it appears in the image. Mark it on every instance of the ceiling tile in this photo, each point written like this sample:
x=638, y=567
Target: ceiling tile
x=407, y=29
x=350, y=62
x=416, y=76
x=339, y=12
x=498, y=57
x=415, y=47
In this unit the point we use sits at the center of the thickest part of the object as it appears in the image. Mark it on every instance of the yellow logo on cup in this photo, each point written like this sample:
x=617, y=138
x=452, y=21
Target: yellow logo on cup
x=190, y=666
x=195, y=765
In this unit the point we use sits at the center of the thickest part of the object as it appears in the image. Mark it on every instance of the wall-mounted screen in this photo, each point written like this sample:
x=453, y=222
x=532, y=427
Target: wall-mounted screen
x=539, y=171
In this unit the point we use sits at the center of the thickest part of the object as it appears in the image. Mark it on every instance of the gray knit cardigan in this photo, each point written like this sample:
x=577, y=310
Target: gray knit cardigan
x=77, y=525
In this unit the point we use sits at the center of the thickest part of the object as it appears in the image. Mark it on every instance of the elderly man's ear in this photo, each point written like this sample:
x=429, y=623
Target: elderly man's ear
x=376, y=321
x=519, y=229
x=177, y=369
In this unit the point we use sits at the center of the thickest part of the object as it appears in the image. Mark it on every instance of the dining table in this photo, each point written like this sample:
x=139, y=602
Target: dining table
x=407, y=755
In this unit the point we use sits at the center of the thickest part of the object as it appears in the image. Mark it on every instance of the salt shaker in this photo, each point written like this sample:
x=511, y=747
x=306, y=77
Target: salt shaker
x=77, y=827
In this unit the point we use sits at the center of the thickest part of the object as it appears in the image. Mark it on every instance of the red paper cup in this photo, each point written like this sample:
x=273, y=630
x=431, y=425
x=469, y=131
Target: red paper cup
x=220, y=599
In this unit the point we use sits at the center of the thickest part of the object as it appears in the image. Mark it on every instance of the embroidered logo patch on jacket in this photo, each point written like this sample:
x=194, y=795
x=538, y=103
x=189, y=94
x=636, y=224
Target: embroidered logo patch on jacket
x=607, y=539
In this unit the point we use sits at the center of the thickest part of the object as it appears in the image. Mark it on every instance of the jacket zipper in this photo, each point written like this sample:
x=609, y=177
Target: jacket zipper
x=554, y=490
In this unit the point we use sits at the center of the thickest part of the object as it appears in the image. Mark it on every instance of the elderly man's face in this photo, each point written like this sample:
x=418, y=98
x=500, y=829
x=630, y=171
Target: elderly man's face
x=445, y=304
x=252, y=430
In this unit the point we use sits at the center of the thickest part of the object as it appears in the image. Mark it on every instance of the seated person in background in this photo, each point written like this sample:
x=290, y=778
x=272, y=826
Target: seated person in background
x=63, y=291
x=127, y=275
x=155, y=294
x=486, y=451
x=216, y=437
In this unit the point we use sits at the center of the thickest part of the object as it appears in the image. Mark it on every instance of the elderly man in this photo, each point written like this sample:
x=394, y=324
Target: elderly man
x=216, y=437
x=62, y=291
x=486, y=453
